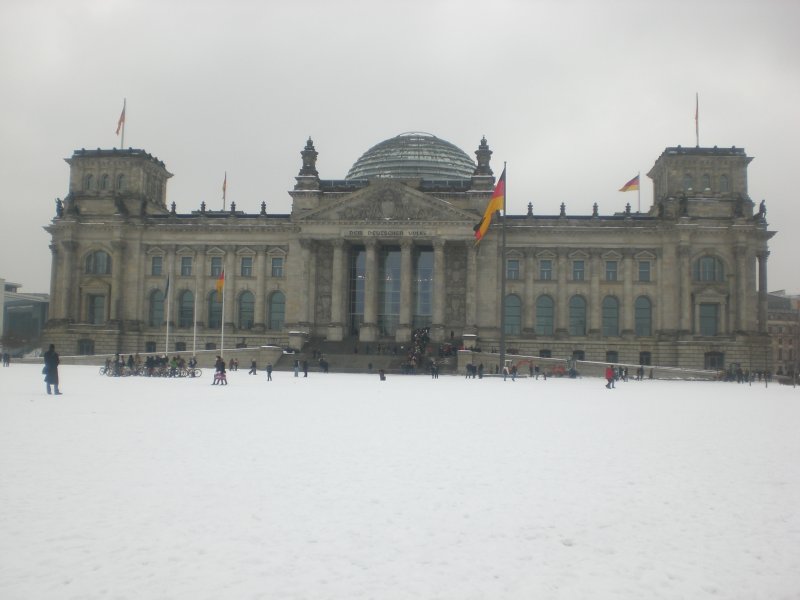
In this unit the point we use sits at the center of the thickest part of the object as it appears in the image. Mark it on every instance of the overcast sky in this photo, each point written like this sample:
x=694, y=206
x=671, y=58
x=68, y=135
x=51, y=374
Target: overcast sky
x=577, y=97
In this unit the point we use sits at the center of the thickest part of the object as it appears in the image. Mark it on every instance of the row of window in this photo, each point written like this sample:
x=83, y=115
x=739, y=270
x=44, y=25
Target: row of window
x=103, y=182
x=706, y=268
x=705, y=182
x=578, y=270
x=186, y=266
x=610, y=316
x=245, y=310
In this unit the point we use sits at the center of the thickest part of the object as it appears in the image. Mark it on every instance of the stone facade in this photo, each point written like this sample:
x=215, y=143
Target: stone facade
x=683, y=284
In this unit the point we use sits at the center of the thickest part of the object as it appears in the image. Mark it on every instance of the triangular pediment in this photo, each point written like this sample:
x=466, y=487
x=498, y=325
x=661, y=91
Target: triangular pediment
x=388, y=201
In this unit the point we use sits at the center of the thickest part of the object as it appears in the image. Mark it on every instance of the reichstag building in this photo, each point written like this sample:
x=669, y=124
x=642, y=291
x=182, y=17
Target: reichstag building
x=390, y=248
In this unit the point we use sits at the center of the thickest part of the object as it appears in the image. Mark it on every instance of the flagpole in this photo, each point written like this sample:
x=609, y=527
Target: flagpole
x=194, y=324
x=222, y=320
x=503, y=278
x=697, y=117
x=639, y=192
x=169, y=304
x=124, y=117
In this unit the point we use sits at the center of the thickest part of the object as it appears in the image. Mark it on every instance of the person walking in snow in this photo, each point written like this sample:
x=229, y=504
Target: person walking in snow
x=252, y=370
x=610, y=376
x=51, y=362
x=269, y=371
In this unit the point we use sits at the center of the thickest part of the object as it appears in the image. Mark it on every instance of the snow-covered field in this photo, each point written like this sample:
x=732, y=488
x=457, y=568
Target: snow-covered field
x=345, y=487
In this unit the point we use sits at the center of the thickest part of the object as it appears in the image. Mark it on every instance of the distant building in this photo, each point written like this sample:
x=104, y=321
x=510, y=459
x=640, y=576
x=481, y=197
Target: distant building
x=784, y=331
x=390, y=249
x=22, y=318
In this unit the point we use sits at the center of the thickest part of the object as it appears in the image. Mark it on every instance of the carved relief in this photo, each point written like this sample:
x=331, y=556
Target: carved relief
x=324, y=285
x=456, y=284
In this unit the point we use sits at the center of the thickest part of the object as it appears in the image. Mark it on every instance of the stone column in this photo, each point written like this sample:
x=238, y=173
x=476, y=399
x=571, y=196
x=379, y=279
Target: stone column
x=529, y=302
x=595, y=324
x=562, y=300
x=685, y=286
x=338, y=292
x=627, y=316
x=740, y=302
x=55, y=290
x=439, y=291
x=406, y=291
x=260, y=309
x=230, y=288
x=70, y=282
x=762, y=291
x=472, y=288
x=369, y=328
x=200, y=286
x=117, y=270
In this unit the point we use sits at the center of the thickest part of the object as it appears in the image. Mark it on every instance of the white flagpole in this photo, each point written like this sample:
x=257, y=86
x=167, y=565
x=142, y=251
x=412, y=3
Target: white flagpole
x=222, y=320
x=639, y=192
x=169, y=304
x=194, y=324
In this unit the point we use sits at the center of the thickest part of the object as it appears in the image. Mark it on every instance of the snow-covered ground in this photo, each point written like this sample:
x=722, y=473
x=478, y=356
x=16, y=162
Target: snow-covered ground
x=345, y=487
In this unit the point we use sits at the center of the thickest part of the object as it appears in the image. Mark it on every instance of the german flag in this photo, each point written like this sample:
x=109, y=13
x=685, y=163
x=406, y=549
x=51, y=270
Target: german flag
x=633, y=184
x=221, y=282
x=495, y=204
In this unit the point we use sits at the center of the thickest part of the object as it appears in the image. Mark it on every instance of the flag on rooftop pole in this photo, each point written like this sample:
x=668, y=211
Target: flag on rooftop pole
x=224, y=189
x=220, y=286
x=121, y=123
x=496, y=203
x=221, y=290
x=633, y=184
x=697, y=117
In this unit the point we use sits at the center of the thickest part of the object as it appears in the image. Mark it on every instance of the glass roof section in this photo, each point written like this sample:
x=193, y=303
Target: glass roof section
x=413, y=155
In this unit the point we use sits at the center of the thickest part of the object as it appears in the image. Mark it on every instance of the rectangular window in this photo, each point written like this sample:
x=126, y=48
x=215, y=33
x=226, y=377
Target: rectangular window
x=512, y=268
x=709, y=318
x=578, y=270
x=247, y=266
x=186, y=266
x=546, y=269
x=216, y=266
x=97, y=309
x=611, y=270
x=644, y=270
x=156, y=264
x=277, y=267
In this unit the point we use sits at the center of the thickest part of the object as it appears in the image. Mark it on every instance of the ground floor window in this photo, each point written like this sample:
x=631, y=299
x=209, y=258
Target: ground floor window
x=85, y=347
x=714, y=361
x=149, y=346
x=645, y=358
x=211, y=346
x=612, y=356
x=578, y=355
x=545, y=353
x=180, y=346
x=709, y=319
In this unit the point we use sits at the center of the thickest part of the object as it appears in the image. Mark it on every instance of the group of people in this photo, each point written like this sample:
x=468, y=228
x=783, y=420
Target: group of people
x=221, y=375
x=6, y=359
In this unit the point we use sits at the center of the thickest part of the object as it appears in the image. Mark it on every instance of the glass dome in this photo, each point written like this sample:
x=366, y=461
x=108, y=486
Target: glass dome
x=413, y=155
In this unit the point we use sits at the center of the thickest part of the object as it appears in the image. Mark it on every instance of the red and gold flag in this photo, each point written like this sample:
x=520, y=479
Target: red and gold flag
x=121, y=122
x=221, y=282
x=495, y=204
x=633, y=184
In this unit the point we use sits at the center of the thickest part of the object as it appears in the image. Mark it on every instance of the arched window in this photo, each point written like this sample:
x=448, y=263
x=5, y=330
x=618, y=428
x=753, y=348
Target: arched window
x=120, y=182
x=610, y=316
x=544, y=315
x=277, y=310
x=247, y=304
x=708, y=268
x=513, y=325
x=98, y=263
x=643, y=316
x=214, y=310
x=156, y=308
x=88, y=180
x=688, y=182
x=186, y=309
x=724, y=184
x=104, y=181
x=577, y=315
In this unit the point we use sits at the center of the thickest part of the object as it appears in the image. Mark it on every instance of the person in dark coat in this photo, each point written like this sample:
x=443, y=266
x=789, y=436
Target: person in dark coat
x=50, y=370
x=269, y=371
x=252, y=370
